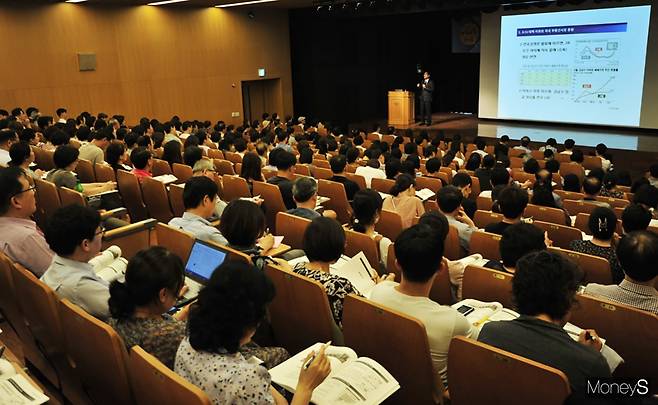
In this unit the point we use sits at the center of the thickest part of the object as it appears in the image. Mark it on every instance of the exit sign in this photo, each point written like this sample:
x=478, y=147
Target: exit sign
x=261, y=72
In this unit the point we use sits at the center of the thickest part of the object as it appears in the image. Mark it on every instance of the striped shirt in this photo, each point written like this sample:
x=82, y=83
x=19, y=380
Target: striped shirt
x=640, y=296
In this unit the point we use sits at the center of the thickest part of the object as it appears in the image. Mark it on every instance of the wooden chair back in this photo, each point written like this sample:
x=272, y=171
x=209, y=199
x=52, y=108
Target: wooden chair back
x=47, y=198
x=39, y=305
x=475, y=187
x=569, y=195
x=633, y=333
x=358, y=179
x=561, y=235
x=156, y=199
x=382, y=185
x=160, y=167
x=596, y=269
x=522, y=176
x=182, y=172
x=104, y=173
x=592, y=162
x=85, y=171
x=487, y=285
x=582, y=224
x=293, y=228
x=131, y=238
x=302, y=169
x=154, y=383
x=310, y=321
x=487, y=244
x=614, y=202
x=546, y=214
x=543, y=385
x=484, y=218
x=484, y=203
x=175, y=240
x=131, y=194
x=390, y=224
x=273, y=201
x=360, y=242
x=572, y=168
x=71, y=197
x=515, y=162
x=224, y=167
x=372, y=330
x=431, y=183
x=575, y=207
x=322, y=173
x=13, y=313
x=176, y=199
x=453, y=249
x=215, y=154
x=233, y=157
x=98, y=353
x=44, y=158
x=338, y=199
x=235, y=187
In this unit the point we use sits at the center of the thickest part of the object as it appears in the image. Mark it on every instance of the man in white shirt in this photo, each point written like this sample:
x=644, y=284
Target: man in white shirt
x=373, y=168
x=94, y=151
x=568, y=147
x=419, y=255
x=7, y=137
x=199, y=198
x=170, y=133
x=74, y=234
x=450, y=199
x=62, y=114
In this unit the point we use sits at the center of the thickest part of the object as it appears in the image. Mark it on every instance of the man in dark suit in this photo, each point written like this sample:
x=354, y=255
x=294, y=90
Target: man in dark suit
x=427, y=91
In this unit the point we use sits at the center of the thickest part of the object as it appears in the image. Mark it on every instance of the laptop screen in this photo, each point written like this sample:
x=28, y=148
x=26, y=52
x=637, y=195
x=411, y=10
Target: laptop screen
x=203, y=261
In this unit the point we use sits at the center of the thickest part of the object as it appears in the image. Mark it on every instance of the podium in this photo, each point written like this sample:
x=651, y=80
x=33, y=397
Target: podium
x=401, y=107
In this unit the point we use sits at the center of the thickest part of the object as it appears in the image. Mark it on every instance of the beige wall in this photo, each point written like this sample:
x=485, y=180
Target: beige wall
x=490, y=51
x=151, y=61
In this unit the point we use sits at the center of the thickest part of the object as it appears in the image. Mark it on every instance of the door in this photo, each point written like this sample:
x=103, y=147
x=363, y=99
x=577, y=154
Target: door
x=261, y=96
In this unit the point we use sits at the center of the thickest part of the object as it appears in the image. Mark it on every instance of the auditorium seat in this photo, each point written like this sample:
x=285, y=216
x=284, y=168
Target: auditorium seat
x=431, y=183
x=572, y=168
x=156, y=199
x=569, y=195
x=47, y=200
x=182, y=172
x=43, y=158
x=360, y=242
x=131, y=194
x=160, y=167
x=235, y=187
x=104, y=173
x=322, y=173
x=382, y=185
x=299, y=314
x=337, y=199
x=85, y=171
x=302, y=169
x=396, y=341
x=215, y=154
x=233, y=157
x=488, y=285
x=596, y=269
x=545, y=214
x=486, y=244
x=483, y=218
x=273, y=201
x=582, y=224
x=176, y=199
x=485, y=383
x=223, y=167
x=390, y=224
x=292, y=228
x=131, y=238
x=175, y=240
x=358, y=179
x=154, y=383
x=484, y=203
x=561, y=235
x=99, y=355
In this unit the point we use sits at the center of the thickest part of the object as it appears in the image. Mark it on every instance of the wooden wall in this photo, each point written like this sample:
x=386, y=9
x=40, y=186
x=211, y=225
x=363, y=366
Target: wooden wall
x=151, y=61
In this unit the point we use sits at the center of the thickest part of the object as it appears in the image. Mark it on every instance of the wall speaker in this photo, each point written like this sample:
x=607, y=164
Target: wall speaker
x=87, y=61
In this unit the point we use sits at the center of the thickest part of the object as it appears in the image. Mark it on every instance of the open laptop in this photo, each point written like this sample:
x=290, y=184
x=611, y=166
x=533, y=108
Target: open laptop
x=202, y=262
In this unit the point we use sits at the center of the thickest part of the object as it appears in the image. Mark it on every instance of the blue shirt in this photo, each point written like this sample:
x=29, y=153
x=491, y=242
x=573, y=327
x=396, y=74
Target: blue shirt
x=199, y=227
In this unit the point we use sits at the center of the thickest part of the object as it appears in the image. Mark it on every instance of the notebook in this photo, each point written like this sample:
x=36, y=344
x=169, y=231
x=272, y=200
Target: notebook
x=202, y=262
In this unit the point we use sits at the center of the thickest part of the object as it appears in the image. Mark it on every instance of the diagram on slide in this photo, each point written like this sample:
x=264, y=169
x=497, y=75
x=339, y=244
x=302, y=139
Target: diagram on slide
x=582, y=67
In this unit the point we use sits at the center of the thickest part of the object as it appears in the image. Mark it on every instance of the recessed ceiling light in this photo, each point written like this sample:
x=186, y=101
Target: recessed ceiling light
x=244, y=3
x=74, y=1
x=161, y=3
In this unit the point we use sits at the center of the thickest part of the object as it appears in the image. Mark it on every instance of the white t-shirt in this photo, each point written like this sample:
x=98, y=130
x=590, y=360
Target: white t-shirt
x=5, y=158
x=441, y=322
x=370, y=173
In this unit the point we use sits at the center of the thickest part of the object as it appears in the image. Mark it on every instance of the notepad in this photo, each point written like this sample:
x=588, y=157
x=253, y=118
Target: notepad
x=166, y=178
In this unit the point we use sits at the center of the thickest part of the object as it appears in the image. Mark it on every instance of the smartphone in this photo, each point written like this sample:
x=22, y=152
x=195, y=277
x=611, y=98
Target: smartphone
x=465, y=310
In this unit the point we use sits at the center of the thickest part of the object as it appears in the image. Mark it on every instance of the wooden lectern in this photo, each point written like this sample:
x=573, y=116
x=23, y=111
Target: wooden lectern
x=401, y=107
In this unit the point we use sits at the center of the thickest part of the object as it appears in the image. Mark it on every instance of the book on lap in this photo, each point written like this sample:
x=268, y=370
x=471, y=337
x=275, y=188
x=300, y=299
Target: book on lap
x=352, y=379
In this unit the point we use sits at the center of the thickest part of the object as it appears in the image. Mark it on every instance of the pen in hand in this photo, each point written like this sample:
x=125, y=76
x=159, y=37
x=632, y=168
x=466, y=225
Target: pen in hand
x=309, y=361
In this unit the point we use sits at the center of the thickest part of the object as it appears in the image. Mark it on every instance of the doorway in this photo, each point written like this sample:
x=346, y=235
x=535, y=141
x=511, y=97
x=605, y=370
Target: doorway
x=261, y=96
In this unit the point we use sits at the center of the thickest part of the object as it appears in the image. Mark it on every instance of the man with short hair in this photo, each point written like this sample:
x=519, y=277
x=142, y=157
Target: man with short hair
x=524, y=147
x=199, y=198
x=20, y=239
x=94, y=151
x=568, y=147
x=499, y=177
x=7, y=138
x=544, y=288
x=62, y=114
x=142, y=161
x=170, y=133
x=338, y=164
x=592, y=188
x=372, y=169
x=450, y=200
x=419, y=256
x=653, y=175
x=635, y=217
x=464, y=182
x=638, y=254
x=205, y=167
x=512, y=202
x=285, y=173
x=74, y=233
x=305, y=193
x=517, y=241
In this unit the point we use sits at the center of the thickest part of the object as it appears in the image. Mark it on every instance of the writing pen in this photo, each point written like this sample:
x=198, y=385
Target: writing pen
x=367, y=269
x=309, y=361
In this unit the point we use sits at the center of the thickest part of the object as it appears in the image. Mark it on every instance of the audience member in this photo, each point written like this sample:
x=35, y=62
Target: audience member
x=66, y=160
x=512, y=202
x=635, y=218
x=94, y=151
x=373, y=167
x=116, y=156
x=172, y=152
x=338, y=164
x=449, y=200
x=285, y=166
x=464, y=182
x=638, y=254
x=23, y=156
x=403, y=200
x=499, y=177
x=305, y=193
x=609, y=188
x=419, y=256
x=591, y=188
x=251, y=170
x=544, y=288
x=568, y=147
x=224, y=319
x=142, y=161
x=516, y=241
x=366, y=211
x=484, y=173
x=571, y=183
x=74, y=233
x=602, y=224
x=20, y=239
x=7, y=138
x=524, y=147
x=199, y=199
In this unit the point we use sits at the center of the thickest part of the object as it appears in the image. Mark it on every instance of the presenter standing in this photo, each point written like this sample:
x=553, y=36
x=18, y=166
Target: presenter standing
x=427, y=91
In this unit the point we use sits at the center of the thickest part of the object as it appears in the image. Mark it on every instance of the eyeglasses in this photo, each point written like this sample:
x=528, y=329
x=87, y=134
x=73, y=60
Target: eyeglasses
x=100, y=232
x=25, y=191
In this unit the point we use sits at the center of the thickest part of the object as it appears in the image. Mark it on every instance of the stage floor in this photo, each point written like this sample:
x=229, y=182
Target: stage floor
x=470, y=127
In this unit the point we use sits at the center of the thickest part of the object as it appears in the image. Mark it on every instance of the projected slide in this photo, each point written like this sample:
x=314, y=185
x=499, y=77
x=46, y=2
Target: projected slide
x=575, y=66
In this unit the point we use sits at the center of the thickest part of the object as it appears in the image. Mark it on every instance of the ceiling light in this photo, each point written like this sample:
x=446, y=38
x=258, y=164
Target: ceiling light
x=74, y=1
x=161, y=3
x=244, y=3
